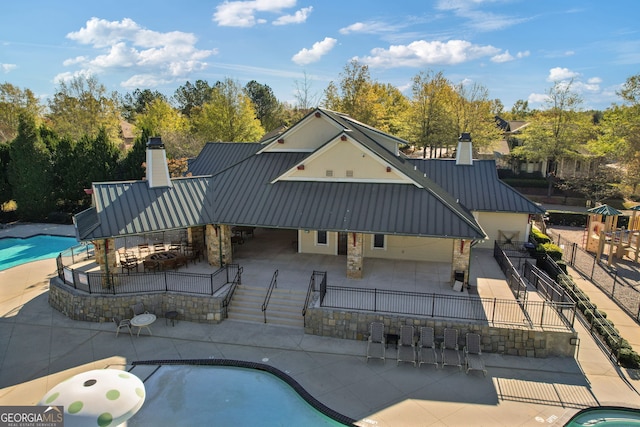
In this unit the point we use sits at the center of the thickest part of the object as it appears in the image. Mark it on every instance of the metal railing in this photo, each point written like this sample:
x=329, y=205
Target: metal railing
x=516, y=284
x=237, y=280
x=272, y=285
x=492, y=310
x=312, y=288
x=129, y=283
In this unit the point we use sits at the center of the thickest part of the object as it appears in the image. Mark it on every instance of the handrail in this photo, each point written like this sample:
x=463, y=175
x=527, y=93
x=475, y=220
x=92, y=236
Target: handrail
x=237, y=280
x=312, y=288
x=273, y=284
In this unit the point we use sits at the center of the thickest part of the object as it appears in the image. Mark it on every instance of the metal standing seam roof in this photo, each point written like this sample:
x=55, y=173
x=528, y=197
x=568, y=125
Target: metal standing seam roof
x=477, y=186
x=226, y=154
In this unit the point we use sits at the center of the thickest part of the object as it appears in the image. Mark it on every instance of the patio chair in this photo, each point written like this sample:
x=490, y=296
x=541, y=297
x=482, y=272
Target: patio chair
x=406, y=346
x=450, y=353
x=143, y=247
x=158, y=247
x=138, y=308
x=129, y=263
x=122, y=323
x=376, y=341
x=427, y=347
x=150, y=265
x=473, y=354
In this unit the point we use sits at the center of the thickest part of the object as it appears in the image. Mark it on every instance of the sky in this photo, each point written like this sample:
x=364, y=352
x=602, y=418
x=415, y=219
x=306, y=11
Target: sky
x=516, y=49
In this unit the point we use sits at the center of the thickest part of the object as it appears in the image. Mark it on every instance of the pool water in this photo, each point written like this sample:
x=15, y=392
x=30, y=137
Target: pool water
x=606, y=416
x=14, y=251
x=223, y=396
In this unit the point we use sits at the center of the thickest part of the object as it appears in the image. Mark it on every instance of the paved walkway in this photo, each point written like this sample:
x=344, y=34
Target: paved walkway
x=39, y=347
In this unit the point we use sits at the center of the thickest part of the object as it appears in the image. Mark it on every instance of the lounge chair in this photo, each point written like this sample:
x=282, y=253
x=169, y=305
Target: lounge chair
x=406, y=346
x=150, y=265
x=122, y=323
x=450, y=352
x=473, y=354
x=376, y=341
x=158, y=247
x=427, y=347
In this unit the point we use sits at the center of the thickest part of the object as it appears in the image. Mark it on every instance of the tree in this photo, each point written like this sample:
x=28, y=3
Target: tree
x=305, y=100
x=268, y=109
x=431, y=121
x=131, y=167
x=355, y=95
x=81, y=106
x=138, y=102
x=596, y=187
x=474, y=113
x=13, y=102
x=520, y=110
x=556, y=131
x=191, y=97
x=29, y=171
x=229, y=116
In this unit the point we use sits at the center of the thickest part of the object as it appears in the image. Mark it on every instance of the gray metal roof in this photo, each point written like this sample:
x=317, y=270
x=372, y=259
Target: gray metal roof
x=226, y=154
x=477, y=186
x=234, y=184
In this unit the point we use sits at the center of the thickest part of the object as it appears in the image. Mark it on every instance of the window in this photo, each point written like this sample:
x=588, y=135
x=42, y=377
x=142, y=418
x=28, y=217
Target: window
x=321, y=237
x=329, y=172
x=378, y=241
x=350, y=174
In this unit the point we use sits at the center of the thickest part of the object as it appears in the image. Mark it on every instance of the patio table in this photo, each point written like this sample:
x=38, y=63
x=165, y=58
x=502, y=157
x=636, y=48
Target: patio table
x=143, y=321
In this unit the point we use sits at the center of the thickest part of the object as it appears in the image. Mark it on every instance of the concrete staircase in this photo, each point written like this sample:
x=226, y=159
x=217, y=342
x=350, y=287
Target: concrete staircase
x=285, y=306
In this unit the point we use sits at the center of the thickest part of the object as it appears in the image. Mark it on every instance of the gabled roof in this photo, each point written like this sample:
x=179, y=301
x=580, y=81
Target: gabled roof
x=477, y=186
x=237, y=183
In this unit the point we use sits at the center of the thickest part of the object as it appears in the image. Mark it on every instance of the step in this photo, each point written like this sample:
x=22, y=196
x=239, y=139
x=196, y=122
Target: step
x=285, y=306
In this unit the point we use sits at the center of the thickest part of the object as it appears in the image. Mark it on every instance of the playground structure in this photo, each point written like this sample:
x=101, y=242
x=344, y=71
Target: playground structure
x=603, y=236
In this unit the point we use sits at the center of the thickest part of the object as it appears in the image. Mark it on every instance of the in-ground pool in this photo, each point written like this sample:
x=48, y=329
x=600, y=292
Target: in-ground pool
x=606, y=416
x=15, y=251
x=181, y=395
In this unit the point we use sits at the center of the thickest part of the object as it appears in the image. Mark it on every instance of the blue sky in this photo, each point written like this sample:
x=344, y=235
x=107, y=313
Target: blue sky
x=516, y=49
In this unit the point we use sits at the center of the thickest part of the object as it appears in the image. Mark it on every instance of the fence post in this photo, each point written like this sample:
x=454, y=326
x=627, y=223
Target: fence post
x=493, y=312
x=211, y=280
x=615, y=279
x=573, y=255
x=375, y=299
x=593, y=268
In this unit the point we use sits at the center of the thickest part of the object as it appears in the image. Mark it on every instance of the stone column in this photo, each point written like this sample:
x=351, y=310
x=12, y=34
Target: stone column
x=107, y=246
x=355, y=255
x=460, y=259
x=219, y=249
x=195, y=237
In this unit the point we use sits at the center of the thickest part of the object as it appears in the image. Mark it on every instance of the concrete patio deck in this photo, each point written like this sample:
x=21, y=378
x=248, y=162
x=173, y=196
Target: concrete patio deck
x=39, y=347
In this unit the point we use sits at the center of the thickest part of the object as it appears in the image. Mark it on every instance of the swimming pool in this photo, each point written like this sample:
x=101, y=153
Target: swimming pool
x=228, y=396
x=16, y=251
x=606, y=416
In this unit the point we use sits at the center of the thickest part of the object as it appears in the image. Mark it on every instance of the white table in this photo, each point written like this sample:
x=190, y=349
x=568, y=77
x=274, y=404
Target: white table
x=143, y=321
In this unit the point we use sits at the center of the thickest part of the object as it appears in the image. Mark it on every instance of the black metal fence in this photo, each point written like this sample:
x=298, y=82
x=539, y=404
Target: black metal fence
x=163, y=281
x=620, y=283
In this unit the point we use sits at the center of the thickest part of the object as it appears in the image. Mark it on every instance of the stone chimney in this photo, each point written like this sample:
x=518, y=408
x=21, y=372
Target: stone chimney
x=464, y=152
x=157, y=170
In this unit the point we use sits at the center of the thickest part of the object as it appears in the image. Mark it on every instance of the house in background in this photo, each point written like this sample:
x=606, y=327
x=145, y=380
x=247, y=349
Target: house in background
x=343, y=187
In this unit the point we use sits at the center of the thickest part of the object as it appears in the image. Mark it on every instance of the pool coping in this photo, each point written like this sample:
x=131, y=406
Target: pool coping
x=315, y=403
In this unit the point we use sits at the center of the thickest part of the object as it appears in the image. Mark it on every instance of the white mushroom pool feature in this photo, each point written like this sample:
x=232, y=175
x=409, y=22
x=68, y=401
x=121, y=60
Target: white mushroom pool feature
x=101, y=397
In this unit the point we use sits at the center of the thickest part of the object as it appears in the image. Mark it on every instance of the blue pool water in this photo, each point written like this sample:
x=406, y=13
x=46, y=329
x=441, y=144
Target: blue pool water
x=223, y=396
x=15, y=252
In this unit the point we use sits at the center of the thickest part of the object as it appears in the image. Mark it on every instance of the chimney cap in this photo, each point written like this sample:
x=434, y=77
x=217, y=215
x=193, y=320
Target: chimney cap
x=155, y=142
x=465, y=136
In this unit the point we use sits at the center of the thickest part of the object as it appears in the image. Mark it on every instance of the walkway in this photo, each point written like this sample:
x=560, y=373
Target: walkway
x=39, y=347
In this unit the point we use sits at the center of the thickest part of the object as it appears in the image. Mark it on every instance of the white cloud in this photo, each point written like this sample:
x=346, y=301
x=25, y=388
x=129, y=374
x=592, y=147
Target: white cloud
x=538, y=98
x=558, y=74
x=125, y=45
x=479, y=20
x=371, y=27
x=6, y=68
x=523, y=54
x=297, y=18
x=317, y=51
x=503, y=57
x=422, y=53
x=243, y=13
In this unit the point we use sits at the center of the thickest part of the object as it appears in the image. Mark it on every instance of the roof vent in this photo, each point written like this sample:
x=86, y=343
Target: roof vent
x=464, y=152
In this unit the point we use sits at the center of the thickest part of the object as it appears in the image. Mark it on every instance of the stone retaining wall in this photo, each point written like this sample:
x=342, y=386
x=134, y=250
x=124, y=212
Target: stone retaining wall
x=513, y=340
x=102, y=308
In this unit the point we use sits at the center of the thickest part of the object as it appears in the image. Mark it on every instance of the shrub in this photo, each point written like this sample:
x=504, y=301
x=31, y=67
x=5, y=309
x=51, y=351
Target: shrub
x=573, y=219
x=553, y=251
x=628, y=358
x=539, y=236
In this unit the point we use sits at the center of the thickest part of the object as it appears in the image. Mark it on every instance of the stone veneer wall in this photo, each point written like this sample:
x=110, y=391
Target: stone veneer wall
x=355, y=253
x=460, y=259
x=513, y=341
x=102, y=308
x=219, y=246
